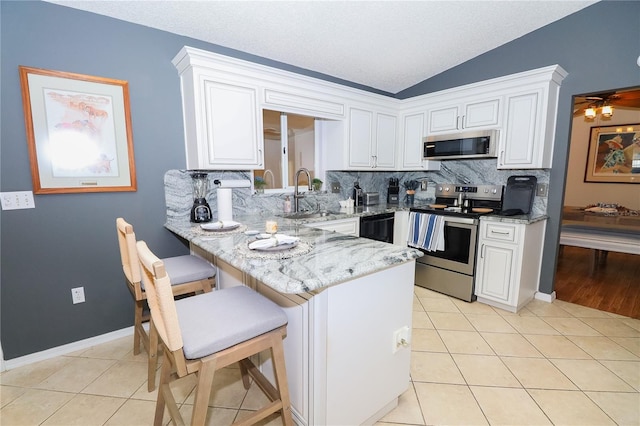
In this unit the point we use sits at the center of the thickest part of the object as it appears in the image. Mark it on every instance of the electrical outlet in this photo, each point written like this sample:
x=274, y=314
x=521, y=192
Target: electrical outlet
x=542, y=189
x=423, y=185
x=77, y=295
x=335, y=187
x=400, y=339
x=17, y=200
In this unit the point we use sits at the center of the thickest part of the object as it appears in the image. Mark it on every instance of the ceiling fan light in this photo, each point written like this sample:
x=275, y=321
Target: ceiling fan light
x=607, y=111
x=590, y=113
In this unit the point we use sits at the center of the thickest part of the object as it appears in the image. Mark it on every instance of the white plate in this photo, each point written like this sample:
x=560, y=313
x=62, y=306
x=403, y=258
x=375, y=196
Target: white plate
x=220, y=226
x=281, y=247
x=251, y=232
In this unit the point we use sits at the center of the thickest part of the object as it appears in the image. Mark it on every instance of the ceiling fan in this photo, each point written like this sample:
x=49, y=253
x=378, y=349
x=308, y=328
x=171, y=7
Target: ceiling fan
x=627, y=98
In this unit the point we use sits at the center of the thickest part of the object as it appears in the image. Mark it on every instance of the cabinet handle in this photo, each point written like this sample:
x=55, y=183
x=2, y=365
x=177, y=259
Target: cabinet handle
x=260, y=156
x=482, y=251
x=502, y=157
x=500, y=233
x=463, y=123
x=374, y=159
x=458, y=122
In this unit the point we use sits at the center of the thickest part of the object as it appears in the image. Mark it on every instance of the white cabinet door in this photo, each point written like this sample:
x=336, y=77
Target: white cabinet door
x=360, y=138
x=508, y=266
x=400, y=228
x=372, y=140
x=411, y=144
x=481, y=114
x=444, y=119
x=232, y=130
x=522, y=141
x=386, y=137
x=470, y=115
x=495, y=272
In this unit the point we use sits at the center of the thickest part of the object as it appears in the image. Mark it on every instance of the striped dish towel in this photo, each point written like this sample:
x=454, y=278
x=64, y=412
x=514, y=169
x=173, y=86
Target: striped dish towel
x=426, y=231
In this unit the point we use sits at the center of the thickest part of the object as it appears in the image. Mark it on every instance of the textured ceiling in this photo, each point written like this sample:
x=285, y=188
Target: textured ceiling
x=386, y=45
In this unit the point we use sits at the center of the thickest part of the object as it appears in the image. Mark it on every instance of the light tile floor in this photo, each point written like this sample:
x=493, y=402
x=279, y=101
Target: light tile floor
x=471, y=364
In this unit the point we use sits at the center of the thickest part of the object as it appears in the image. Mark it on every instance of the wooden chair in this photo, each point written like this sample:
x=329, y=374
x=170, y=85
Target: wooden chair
x=189, y=274
x=210, y=331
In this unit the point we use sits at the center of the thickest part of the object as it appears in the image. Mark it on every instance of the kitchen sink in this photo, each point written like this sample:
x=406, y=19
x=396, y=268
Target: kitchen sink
x=307, y=214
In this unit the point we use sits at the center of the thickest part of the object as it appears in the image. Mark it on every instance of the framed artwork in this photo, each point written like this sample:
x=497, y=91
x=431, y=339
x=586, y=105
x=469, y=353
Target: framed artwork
x=78, y=132
x=614, y=154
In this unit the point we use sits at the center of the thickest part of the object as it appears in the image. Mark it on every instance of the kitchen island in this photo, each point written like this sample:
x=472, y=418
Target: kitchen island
x=349, y=303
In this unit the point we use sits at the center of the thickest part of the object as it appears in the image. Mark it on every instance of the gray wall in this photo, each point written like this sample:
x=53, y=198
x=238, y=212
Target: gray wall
x=69, y=240
x=598, y=47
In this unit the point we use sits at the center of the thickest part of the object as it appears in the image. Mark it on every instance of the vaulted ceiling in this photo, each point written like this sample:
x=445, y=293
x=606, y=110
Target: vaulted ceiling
x=386, y=45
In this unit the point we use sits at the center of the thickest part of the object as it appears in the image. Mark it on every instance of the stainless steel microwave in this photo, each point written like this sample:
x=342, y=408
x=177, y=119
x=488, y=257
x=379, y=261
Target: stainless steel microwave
x=478, y=144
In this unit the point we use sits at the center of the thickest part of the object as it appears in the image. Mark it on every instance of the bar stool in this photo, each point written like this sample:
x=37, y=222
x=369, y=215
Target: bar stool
x=189, y=274
x=210, y=331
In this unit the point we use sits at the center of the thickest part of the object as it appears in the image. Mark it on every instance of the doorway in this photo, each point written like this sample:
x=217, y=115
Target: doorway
x=613, y=285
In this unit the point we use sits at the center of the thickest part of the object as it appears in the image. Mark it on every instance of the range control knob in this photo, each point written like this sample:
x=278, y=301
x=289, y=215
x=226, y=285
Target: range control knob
x=495, y=191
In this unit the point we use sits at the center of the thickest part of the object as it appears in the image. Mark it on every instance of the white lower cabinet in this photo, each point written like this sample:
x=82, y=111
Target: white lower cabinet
x=344, y=366
x=508, y=264
x=400, y=227
x=349, y=226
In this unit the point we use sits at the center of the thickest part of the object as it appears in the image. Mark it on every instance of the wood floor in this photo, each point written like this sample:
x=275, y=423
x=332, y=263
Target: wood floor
x=613, y=287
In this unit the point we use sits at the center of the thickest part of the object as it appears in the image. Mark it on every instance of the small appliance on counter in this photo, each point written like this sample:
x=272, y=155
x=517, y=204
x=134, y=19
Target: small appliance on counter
x=371, y=198
x=518, y=195
x=200, y=211
x=357, y=194
x=393, y=192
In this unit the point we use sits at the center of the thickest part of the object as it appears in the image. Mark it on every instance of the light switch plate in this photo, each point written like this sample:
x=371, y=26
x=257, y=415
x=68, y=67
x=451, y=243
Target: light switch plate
x=17, y=200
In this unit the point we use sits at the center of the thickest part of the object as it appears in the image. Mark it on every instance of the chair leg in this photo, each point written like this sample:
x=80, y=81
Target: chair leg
x=203, y=392
x=153, y=357
x=137, y=326
x=246, y=379
x=277, y=354
x=162, y=386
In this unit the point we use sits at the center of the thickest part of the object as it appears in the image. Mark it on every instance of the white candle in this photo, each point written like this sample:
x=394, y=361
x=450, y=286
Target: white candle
x=271, y=226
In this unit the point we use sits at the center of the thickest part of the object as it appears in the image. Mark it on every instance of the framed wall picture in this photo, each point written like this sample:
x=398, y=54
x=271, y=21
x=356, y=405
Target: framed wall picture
x=614, y=154
x=78, y=132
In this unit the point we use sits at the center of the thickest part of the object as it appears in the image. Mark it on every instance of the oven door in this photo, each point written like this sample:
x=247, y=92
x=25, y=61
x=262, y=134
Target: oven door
x=459, y=254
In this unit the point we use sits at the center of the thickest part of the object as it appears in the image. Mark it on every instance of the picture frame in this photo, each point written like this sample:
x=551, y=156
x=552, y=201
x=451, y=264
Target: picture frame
x=614, y=154
x=78, y=131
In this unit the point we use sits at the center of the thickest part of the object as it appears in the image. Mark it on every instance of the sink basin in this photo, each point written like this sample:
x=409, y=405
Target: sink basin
x=306, y=215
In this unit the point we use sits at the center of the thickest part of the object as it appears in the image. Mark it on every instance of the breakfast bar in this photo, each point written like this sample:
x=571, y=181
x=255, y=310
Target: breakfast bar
x=349, y=304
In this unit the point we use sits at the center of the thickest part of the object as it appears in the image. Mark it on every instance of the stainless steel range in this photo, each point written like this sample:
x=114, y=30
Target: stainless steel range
x=451, y=271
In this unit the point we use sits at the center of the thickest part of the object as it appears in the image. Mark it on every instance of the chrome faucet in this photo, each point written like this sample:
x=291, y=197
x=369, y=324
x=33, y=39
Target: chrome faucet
x=296, y=194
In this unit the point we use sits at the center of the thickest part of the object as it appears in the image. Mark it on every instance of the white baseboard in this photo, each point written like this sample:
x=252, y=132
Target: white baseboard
x=65, y=349
x=546, y=297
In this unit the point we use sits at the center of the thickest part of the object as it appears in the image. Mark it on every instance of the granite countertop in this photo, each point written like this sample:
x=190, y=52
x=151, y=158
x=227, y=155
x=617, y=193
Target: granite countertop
x=322, y=258
x=522, y=219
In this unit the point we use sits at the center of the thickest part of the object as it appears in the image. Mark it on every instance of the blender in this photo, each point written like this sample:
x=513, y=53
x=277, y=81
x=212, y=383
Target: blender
x=200, y=212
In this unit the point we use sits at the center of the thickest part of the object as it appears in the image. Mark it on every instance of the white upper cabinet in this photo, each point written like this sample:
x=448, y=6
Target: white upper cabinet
x=529, y=126
x=223, y=99
x=412, y=133
x=462, y=116
x=519, y=148
x=222, y=116
x=371, y=139
x=232, y=128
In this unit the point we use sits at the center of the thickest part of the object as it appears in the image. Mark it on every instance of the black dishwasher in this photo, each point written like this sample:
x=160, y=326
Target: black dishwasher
x=377, y=227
